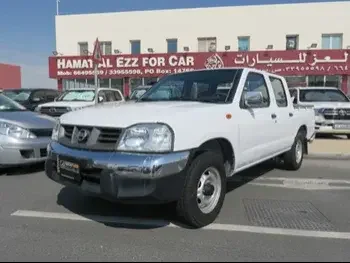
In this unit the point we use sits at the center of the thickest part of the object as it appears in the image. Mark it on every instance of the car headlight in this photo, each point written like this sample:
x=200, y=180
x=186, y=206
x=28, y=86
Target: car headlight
x=37, y=109
x=152, y=137
x=15, y=131
x=74, y=109
x=56, y=131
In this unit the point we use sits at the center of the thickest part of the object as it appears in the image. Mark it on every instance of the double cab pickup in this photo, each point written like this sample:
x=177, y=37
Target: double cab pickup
x=181, y=147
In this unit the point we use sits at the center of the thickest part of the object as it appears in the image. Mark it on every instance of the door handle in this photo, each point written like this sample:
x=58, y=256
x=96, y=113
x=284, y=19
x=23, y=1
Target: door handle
x=273, y=116
x=291, y=114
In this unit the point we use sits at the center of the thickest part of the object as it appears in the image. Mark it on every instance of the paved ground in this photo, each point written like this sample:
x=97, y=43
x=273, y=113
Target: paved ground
x=334, y=145
x=269, y=215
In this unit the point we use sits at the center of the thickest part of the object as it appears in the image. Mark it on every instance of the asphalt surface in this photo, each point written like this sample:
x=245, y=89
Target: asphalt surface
x=268, y=215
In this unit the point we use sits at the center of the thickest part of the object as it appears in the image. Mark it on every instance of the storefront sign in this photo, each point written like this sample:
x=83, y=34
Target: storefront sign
x=290, y=62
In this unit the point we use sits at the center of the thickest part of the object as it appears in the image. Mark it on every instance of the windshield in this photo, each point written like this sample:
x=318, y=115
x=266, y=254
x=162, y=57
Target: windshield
x=77, y=95
x=203, y=86
x=18, y=95
x=6, y=104
x=315, y=95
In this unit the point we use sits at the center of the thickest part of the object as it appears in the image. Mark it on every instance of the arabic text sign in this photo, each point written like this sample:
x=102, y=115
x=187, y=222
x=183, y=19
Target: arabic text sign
x=292, y=62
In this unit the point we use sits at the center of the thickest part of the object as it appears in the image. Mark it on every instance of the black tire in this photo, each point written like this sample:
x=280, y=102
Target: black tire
x=187, y=207
x=348, y=136
x=290, y=161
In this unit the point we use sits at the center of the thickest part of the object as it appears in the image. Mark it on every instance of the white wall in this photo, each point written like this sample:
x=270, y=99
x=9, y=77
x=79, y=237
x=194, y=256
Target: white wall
x=268, y=24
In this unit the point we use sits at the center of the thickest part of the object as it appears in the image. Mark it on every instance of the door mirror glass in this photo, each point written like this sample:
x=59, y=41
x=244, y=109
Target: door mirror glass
x=253, y=99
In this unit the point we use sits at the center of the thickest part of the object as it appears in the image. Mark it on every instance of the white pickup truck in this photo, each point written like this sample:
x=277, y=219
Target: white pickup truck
x=180, y=147
x=76, y=99
x=331, y=106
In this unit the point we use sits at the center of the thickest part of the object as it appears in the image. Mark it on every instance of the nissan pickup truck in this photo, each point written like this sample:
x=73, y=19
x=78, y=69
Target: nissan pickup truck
x=76, y=99
x=181, y=147
x=331, y=106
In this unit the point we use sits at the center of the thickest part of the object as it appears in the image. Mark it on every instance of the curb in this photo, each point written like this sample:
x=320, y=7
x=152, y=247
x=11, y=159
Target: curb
x=328, y=156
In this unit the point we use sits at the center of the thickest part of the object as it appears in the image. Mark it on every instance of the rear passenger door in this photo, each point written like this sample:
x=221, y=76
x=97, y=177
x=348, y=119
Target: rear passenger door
x=257, y=123
x=284, y=114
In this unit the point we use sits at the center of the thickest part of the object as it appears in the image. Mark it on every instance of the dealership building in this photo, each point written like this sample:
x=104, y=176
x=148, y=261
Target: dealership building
x=309, y=43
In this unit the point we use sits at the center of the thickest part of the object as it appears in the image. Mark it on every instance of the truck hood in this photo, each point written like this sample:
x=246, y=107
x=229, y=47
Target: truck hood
x=71, y=104
x=326, y=104
x=125, y=114
x=28, y=119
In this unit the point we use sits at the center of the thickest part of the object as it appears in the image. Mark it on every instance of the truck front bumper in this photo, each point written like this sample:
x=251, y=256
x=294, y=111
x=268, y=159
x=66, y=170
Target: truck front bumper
x=341, y=127
x=115, y=176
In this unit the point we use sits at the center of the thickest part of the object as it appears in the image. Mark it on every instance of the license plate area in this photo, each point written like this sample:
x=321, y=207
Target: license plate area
x=69, y=168
x=342, y=126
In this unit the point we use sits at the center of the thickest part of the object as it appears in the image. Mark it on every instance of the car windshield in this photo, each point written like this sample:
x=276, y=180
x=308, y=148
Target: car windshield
x=18, y=95
x=77, y=95
x=204, y=86
x=6, y=104
x=315, y=95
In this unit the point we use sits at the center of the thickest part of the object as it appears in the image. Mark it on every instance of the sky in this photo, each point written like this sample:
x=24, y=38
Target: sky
x=27, y=27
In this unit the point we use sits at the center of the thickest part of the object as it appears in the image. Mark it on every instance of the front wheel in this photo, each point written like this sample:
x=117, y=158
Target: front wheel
x=204, y=191
x=294, y=157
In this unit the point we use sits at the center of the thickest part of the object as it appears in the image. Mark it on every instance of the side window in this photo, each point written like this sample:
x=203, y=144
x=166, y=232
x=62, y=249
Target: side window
x=109, y=95
x=256, y=82
x=102, y=96
x=278, y=90
x=293, y=93
x=117, y=95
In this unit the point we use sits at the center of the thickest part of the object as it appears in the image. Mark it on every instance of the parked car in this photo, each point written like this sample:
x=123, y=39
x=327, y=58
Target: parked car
x=331, y=105
x=181, y=147
x=31, y=98
x=24, y=134
x=76, y=99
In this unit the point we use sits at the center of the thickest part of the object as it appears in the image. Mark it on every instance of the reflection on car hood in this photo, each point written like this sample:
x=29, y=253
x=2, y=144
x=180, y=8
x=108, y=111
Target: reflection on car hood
x=28, y=119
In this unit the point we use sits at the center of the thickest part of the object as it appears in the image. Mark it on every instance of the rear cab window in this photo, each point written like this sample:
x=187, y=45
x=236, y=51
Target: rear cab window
x=279, y=91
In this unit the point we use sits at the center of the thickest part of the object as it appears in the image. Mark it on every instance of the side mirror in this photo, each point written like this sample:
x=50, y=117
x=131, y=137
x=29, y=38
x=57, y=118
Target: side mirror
x=294, y=99
x=253, y=98
x=100, y=99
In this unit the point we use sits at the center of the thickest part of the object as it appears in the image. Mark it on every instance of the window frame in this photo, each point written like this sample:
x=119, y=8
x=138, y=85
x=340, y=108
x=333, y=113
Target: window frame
x=331, y=36
x=243, y=38
x=274, y=93
x=241, y=104
x=80, y=51
x=296, y=37
x=207, y=45
x=173, y=41
x=131, y=47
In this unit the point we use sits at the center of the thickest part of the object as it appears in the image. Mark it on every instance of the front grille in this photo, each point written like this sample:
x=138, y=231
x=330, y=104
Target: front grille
x=336, y=114
x=99, y=138
x=42, y=132
x=54, y=111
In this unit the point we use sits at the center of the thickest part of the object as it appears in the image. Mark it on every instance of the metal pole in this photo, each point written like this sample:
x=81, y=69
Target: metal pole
x=57, y=8
x=96, y=76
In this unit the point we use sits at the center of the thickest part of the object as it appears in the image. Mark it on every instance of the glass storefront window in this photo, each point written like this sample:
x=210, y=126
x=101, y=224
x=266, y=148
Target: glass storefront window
x=316, y=81
x=296, y=81
x=117, y=84
x=333, y=81
x=90, y=83
x=104, y=83
x=135, y=83
x=146, y=81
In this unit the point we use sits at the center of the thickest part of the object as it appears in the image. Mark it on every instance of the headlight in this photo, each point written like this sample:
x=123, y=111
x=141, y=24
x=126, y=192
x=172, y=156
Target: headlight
x=37, y=109
x=15, y=131
x=152, y=137
x=74, y=109
x=56, y=131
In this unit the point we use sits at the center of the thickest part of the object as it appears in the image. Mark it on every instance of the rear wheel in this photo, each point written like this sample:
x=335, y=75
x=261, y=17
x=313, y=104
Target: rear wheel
x=348, y=136
x=204, y=190
x=294, y=157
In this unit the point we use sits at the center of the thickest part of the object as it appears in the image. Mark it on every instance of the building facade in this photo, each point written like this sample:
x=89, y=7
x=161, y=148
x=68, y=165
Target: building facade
x=10, y=77
x=308, y=43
